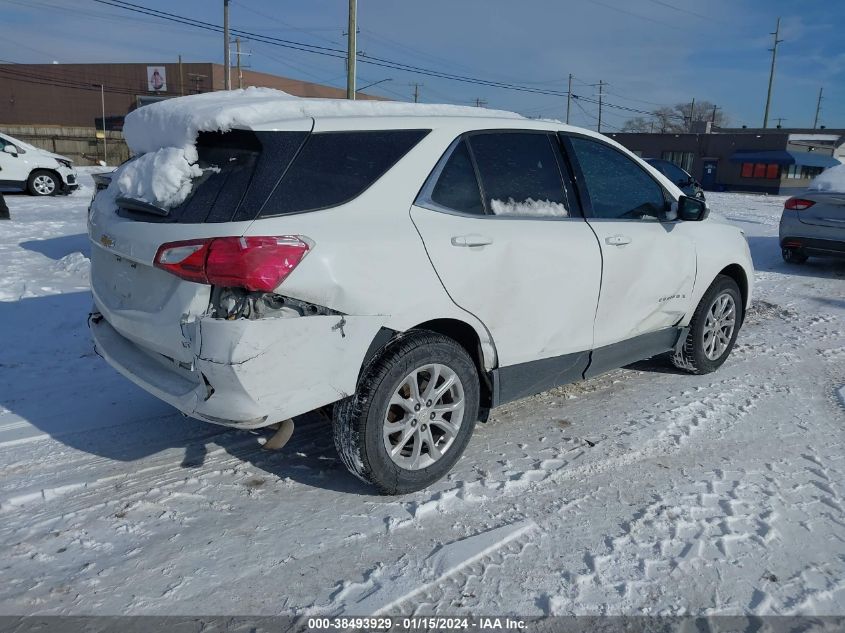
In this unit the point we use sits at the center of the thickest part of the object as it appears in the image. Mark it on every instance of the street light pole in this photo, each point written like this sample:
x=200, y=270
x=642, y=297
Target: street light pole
x=103, y=105
x=375, y=83
x=105, y=141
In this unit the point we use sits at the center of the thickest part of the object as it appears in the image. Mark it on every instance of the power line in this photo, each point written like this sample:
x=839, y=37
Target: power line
x=342, y=54
x=324, y=50
x=682, y=10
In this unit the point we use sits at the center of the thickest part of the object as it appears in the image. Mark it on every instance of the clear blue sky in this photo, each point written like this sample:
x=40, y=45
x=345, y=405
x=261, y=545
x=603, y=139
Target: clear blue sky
x=652, y=52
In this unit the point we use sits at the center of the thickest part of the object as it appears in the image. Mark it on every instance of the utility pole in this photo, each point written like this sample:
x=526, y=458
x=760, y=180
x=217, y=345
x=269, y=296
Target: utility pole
x=818, y=109
x=774, y=50
x=181, y=78
x=713, y=117
x=568, y=98
x=351, y=49
x=238, y=53
x=480, y=103
x=601, y=96
x=691, y=114
x=780, y=120
x=416, y=92
x=227, y=63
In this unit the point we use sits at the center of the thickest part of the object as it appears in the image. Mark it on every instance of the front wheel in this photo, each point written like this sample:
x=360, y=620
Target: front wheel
x=713, y=328
x=42, y=183
x=412, y=414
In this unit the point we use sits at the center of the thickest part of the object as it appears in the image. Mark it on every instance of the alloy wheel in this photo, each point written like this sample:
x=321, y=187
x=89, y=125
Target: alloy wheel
x=44, y=185
x=424, y=416
x=719, y=325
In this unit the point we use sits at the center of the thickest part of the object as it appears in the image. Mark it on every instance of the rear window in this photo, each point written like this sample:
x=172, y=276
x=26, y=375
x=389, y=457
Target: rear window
x=334, y=167
x=240, y=168
x=262, y=174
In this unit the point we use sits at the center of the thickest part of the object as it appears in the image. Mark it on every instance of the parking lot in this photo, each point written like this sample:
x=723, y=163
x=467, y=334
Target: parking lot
x=596, y=498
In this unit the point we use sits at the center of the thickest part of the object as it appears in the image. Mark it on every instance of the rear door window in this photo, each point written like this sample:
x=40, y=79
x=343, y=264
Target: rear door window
x=334, y=167
x=457, y=187
x=520, y=174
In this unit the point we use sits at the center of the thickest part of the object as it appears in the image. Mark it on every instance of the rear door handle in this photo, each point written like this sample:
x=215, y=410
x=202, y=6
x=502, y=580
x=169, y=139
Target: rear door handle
x=618, y=240
x=471, y=240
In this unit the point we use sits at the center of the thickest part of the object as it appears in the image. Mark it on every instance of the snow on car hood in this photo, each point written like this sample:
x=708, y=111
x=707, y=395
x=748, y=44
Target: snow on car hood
x=166, y=132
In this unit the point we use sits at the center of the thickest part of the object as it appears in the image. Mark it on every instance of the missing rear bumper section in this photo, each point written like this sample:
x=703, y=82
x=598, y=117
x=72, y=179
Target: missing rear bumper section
x=247, y=373
x=237, y=303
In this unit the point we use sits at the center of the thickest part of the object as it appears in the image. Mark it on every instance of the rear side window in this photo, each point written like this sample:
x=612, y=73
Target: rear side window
x=457, y=186
x=334, y=167
x=616, y=185
x=519, y=174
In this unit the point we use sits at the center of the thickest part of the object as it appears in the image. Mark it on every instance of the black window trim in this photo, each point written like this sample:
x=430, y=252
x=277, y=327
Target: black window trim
x=584, y=194
x=570, y=192
x=425, y=131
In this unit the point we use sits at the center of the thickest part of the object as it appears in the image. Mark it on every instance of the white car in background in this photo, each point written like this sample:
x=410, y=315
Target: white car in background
x=24, y=167
x=414, y=271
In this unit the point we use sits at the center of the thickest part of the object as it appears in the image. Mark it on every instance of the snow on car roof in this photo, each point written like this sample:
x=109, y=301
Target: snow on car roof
x=831, y=179
x=176, y=122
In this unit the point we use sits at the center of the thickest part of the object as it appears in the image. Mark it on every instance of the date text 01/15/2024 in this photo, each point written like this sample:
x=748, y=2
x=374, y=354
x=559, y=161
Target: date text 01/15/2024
x=416, y=623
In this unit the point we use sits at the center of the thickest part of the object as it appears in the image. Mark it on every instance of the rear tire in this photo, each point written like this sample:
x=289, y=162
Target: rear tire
x=793, y=256
x=713, y=328
x=402, y=438
x=43, y=183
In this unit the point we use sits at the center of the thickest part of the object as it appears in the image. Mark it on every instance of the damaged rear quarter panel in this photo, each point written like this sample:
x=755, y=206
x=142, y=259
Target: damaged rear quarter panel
x=287, y=365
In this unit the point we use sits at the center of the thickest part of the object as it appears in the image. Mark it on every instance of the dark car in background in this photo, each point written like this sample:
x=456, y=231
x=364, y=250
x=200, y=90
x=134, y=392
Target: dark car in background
x=680, y=177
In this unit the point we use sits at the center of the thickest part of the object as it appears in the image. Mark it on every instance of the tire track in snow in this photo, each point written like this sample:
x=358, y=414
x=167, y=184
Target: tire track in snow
x=390, y=590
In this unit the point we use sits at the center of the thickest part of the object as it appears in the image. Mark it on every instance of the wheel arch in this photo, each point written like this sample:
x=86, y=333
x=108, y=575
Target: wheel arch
x=738, y=274
x=459, y=331
x=60, y=183
x=466, y=336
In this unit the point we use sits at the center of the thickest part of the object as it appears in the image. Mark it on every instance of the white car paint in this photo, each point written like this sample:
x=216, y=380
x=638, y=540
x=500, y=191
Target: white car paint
x=648, y=273
x=16, y=167
x=540, y=289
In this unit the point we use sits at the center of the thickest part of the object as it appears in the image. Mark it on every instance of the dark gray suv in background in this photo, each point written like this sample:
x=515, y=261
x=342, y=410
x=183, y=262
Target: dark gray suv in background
x=680, y=177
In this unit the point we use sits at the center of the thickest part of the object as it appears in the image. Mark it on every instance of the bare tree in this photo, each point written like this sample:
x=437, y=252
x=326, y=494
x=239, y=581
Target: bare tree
x=677, y=119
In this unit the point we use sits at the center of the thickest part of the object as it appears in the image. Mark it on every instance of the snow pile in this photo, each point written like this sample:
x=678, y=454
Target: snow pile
x=162, y=177
x=165, y=132
x=529, y=207
x=831, y=179
x=74, y=264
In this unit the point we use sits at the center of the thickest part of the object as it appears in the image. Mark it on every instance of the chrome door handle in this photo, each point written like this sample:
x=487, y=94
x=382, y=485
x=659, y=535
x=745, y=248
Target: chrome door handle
x=471, y=240
x=618, y=240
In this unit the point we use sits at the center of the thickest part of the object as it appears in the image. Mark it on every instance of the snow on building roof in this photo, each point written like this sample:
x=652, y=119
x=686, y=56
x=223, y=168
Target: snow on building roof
x=176, y=122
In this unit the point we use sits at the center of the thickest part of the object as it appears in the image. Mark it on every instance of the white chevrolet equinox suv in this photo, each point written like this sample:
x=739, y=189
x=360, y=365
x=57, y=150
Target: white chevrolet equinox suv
x=414, y=268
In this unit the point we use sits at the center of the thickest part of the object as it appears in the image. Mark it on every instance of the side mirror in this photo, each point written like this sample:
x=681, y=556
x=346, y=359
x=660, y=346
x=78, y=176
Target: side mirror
x=11, y=149
x=692, y=209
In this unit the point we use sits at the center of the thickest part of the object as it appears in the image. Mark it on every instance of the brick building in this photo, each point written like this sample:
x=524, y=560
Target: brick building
x=771, y=160
x=59, y=106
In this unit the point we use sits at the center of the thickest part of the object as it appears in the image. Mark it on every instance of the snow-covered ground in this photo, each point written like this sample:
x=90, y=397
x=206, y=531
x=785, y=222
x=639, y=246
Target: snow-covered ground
x=641, y=491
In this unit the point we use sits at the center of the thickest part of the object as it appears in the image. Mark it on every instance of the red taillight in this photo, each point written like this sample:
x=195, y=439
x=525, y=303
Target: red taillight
x=254, y=263
x=798, y=204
